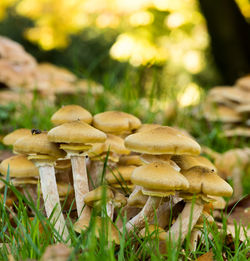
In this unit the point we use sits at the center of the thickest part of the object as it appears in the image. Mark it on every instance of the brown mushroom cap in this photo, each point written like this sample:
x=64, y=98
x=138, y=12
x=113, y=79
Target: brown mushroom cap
x=204, y=181
x=76, y=132
x=231, y=93
x=158, y=176
x=12, y=137
x=113, y=233
x=147, y=127
x=112, y=144
x=221, y=113
x=244, y=83
x=238, y=131
x=130, y=160
x=116, y=122
x=186, y=162
x=71, y=113
x=231, y=159
x=97, y=194
x=19, y=166
x=38, y=144
x=120, y=174
x=162, y=140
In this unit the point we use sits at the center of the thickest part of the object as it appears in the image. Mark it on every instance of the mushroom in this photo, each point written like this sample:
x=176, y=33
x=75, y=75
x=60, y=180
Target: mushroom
x=162, y=142
x=186, y=162
x=202, y=183
x=116, y=122
x=232, y=164
x=120, y=178
x=76, y=138
x=23, y=173
x=113, y=147
x=44, y=153
x=158, y=180
x=70, y=113
x=99, y=226
x=12, y=137
x=95, y=198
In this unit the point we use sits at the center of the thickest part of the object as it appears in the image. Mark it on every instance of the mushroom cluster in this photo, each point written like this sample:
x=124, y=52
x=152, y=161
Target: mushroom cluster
x=119, y=168
x=231, y=106
x=20, y=75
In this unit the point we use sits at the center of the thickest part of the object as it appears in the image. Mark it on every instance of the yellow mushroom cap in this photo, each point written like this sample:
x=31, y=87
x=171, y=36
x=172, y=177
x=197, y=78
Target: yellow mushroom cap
x=113, y=233
x=159, y=176
x=244, y=83
x=12, y=137
x=119, y=174
x=162, y=140
x=19, y=166
x=203, y=180
x=234, y=158
x=148, y=126
x=71, y=113
x=186, y=162
x=76, y=132
x=38, y=144
x=113, y=144
x=131, y=160
x=116, y=121
x=97, y=194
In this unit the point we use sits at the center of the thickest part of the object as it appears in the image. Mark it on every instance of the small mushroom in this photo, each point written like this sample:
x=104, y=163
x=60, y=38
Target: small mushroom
x=76, y=138
x=44, y=154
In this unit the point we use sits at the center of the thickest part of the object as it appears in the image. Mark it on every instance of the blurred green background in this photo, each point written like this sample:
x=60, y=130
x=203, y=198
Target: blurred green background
x=168, y=44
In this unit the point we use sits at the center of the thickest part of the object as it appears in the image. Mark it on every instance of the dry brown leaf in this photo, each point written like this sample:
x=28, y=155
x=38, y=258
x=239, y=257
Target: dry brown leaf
x=58, y=252
x=209, y=256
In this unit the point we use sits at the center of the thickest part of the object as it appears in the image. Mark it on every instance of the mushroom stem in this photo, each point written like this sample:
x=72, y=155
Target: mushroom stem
x=110, y=210
x=180, y=228
x=81, y=186
x=95, y=173
x=51, y=198
x=195, y=234
x=146, y=213
x=237, y=184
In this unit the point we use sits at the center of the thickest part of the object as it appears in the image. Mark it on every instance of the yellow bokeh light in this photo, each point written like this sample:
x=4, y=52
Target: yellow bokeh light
x=190, y=96
x=141, y=18
x=107, y=20
x=192, y=61
x=175, y=20
x=135, y=50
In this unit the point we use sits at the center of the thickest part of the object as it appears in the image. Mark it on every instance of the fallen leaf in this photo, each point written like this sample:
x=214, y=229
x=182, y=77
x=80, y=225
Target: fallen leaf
x=209, y=256
x=58, y=252
x=240, y=215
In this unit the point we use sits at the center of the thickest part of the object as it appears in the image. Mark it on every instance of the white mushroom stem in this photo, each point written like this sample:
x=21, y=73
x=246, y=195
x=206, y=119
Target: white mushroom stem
x=110, y=210
x=81, y=185
x=95, y=173
x=51, y=198
x=185, y=221
x=195, y=234
x=237, y=183
x=147, y=212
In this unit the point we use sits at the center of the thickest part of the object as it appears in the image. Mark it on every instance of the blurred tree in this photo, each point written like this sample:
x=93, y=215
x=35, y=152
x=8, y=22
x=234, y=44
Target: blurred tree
x=230, y=37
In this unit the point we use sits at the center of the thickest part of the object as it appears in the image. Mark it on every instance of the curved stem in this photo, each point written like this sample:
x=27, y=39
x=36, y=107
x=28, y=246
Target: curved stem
x=185, y=222
x=147, y=213
x=51, y=199
x=110, y=210
x=81, y=186
x=195, y=234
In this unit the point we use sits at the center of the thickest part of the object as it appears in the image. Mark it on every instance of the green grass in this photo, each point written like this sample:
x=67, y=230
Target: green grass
x=26, y=241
